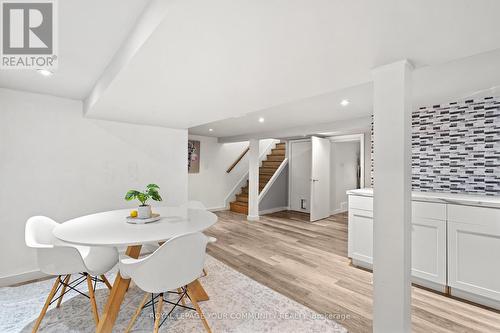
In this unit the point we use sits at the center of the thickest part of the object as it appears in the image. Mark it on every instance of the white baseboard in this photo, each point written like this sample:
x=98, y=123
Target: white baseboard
x=363, y=264
x=20, y=278
x=253, y=217
x=272, y=210
x=428, y=284
x=217, y=209
x=337, y=211
x=475, y=298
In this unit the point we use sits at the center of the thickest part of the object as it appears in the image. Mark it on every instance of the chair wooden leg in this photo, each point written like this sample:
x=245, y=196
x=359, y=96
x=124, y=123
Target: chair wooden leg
x=198, y=291
x=137, y=313
x=93, y=304
x=66, y=280
x=200, y=313
x=46, y=305
x=158, y=314
x=106, y=282
x=179, y=290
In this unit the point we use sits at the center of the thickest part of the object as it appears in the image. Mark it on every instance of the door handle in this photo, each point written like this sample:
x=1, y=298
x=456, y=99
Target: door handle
x=314, y=180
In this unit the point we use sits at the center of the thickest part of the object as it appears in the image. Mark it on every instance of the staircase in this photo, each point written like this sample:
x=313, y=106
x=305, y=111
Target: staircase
x=266, y=171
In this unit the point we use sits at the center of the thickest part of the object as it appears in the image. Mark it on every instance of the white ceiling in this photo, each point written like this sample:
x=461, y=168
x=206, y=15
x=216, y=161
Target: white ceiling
x=319, y=109
x=90, y=32
x=212, y=60
x=469, y=77
x=226, y=62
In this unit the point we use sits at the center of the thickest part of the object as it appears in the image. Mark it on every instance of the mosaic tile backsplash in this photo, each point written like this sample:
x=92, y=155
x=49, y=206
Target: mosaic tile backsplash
x=456, y=147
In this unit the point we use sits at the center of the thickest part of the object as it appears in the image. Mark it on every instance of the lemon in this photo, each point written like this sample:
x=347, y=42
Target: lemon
x=133, y=213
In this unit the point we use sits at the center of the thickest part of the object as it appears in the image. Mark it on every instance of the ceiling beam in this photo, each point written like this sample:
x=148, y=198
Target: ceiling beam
x=348, y=126
x=147, y=23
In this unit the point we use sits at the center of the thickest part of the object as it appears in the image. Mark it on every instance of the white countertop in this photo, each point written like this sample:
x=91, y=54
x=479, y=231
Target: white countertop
x=451, y=198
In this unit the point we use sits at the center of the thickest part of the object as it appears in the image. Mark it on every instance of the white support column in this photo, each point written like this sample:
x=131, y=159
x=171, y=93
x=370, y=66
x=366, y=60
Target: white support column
x=392, y=198
x=253, y=181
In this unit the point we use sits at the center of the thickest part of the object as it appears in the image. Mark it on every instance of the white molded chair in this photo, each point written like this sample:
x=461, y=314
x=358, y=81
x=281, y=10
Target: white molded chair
x=188, y=205
x=174, y=265
x=192, y=204
x=63, y=259
x=199, y=205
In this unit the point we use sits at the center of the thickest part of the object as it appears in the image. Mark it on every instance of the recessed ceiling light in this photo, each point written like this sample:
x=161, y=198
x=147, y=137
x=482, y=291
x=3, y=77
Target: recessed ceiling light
x=44, y=72
x=344, y=102
x=210, y=129
x=261, y=120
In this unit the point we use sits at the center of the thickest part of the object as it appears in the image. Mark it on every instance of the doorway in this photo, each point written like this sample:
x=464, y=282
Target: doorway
x=300, y=175
x=322, y=170
x=347, y=170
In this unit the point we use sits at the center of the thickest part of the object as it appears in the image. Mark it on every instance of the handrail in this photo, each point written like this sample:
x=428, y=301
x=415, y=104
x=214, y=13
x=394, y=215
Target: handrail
x=238, y=160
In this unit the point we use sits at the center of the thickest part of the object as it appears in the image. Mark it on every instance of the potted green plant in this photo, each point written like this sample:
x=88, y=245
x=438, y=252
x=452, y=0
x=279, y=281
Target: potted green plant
x=151, y=192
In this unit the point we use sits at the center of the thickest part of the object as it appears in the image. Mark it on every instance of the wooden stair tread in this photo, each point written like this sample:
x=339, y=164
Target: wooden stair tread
x=238, y=208
x=275, y=158
x=278, y=152
x=271, y=164
x=266, y=171
x=242, y=198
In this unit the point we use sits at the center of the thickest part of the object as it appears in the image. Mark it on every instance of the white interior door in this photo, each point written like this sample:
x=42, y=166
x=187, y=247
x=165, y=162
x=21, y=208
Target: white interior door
x=300, y=175
x=320, y=178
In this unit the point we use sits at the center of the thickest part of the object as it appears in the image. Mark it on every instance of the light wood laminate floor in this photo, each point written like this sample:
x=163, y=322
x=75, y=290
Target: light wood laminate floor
x=308, y=263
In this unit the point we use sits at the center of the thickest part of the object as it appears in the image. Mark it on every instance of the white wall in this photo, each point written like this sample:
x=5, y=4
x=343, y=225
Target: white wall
x=343, y=176
x=54, y=162
x=368, y=159
x=213, y=184
x=277, y=197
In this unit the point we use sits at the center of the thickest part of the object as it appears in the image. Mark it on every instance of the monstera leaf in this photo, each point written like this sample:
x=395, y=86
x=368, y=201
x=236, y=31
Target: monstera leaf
x=151, y=192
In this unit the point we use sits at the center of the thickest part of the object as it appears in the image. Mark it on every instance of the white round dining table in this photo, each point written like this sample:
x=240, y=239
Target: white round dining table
x=111, y=229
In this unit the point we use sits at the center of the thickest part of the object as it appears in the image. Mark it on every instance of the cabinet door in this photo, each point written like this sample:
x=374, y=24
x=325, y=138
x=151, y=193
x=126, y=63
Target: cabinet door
x=473, y=250
x=361, y=235
x=428, y=249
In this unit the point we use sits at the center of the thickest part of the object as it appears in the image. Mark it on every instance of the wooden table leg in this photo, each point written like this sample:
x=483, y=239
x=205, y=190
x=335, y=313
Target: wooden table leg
x=116, y=296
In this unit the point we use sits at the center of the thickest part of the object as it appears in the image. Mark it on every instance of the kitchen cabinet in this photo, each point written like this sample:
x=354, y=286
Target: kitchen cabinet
x=428, y=239
x=360, y=231
x=474, y=253
x=428, y=243
x=454, y=244
x=360, y=235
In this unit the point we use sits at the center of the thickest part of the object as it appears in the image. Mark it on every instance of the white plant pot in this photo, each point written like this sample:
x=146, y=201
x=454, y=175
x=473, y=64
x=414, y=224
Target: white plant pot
x=144, y=212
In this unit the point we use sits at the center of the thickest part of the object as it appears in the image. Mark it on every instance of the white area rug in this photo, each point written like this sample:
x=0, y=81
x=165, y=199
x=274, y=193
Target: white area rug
x=237, y=304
